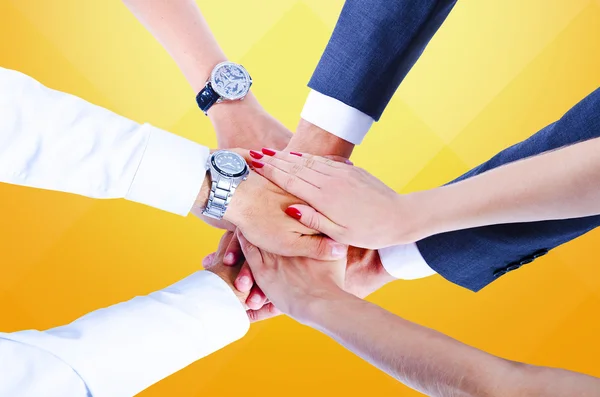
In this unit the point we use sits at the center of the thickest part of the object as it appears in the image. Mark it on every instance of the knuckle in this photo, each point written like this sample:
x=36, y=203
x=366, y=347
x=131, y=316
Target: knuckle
x=309, y=162
x=289, y=182
x=314, y=222
x=322, y=248
x=296, y=168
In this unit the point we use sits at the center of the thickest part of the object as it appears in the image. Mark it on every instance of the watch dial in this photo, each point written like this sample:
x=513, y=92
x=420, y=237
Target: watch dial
x=230, y=80
x=229, y=162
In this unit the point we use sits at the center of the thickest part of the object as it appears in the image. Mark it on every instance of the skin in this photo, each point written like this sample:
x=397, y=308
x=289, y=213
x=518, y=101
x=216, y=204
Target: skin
x=560, y=184
x=182, y=30
x=266, y=225
x=312, y=292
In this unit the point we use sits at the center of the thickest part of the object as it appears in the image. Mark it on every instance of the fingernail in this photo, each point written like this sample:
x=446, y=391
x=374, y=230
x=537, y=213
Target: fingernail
x=245, y=280
x=268, y=152
x=257, y=164
x=338, y=251
x=255, y=299
x=207, y=261
x=296, y=154
x=229, y=258
x=256, y=154
x=349, y=162
x=293, y=212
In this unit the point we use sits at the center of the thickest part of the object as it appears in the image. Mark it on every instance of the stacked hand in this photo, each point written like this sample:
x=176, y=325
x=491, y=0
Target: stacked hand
x=346, y=203
x=262, y=218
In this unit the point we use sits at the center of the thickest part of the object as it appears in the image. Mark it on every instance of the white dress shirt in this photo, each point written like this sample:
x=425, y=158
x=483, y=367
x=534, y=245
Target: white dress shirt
x=52, y=140
x=401, y=261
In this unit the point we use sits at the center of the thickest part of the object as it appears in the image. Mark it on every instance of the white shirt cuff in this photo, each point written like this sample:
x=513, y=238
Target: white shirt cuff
x=405, y=262
x=336, y=117
x=123, y=349
x=170, y=174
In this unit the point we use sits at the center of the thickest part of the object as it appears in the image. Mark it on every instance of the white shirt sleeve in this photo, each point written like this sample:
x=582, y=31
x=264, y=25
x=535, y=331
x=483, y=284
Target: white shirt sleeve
x=56, y=141
x=336, y=117
x=405, y=262
x=123, y=349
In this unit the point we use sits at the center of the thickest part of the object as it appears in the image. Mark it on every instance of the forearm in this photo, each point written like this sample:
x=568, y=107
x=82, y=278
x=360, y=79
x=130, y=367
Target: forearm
x=183, y=32
x=420, y=358
x=556, y=185
x=431, y=362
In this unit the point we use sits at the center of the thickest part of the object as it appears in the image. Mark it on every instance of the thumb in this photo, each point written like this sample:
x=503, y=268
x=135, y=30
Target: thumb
x=321, y=248
x=314, y=220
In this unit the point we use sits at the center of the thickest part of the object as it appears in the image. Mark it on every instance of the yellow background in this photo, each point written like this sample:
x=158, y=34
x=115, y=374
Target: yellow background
x=496, y=72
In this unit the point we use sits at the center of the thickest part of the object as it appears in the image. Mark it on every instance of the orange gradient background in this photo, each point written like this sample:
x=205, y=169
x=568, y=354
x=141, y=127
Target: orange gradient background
x=496, y=72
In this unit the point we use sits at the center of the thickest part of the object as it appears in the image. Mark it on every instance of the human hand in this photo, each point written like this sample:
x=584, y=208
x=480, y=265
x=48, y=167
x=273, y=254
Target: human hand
x=257, y=210
x=346, y=203
x=365, y=274
x=292, y=283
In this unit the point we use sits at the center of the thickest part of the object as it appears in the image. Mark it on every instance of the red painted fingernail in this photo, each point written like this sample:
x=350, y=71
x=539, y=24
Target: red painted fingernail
x=293, y=212
x=256, y=154
x=268, y=152
x=257, y=164
x=296, y=154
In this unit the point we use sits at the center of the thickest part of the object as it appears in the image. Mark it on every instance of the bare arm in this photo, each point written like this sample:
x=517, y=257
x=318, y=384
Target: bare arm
x=182, y=30
x=560, y=184
x=431, y=362
x=311, y=292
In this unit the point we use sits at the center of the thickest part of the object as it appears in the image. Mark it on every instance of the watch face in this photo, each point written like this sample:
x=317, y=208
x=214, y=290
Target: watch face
x=229, y=163
x=230, y=80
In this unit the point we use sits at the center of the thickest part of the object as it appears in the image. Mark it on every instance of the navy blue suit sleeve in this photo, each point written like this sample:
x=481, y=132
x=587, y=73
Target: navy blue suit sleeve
x=473, y=258
x=373, y=47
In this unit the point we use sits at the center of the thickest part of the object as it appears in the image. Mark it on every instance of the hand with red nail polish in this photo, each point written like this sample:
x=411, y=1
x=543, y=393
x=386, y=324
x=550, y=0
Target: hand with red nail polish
x=256, y=209
x=343, y=202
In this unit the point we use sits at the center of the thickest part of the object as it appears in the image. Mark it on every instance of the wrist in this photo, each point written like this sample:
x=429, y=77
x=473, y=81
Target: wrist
x=314, y=140
x=422, y=214
x=412, y=218
x=202, y=198
x=228, y=274
x=239, y=204
x=313, y=307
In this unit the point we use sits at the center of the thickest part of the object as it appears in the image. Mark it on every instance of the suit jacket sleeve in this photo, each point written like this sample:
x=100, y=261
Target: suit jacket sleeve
x=473, y=258
x=373, y=46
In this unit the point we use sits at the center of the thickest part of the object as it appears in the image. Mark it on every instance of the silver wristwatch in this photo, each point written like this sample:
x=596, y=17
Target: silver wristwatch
x=227, y=170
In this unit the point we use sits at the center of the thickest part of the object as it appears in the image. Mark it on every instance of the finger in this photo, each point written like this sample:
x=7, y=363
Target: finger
x=233, y=253
x=252, y=254
x=309, y=175
x=320, y=247
x=267, y=311
x=314, y=220
x=207, y=262
x=339, y=159
x=288, y=182
x=321, y=164
x=256, y=299
x=244, y=280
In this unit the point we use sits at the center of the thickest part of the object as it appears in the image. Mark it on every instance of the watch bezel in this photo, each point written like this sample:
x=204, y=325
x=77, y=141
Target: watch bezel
x=217, y=89
x=225, y=173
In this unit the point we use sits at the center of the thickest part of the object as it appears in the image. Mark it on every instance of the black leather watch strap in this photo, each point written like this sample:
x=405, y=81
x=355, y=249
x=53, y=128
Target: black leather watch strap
x=206, y=98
